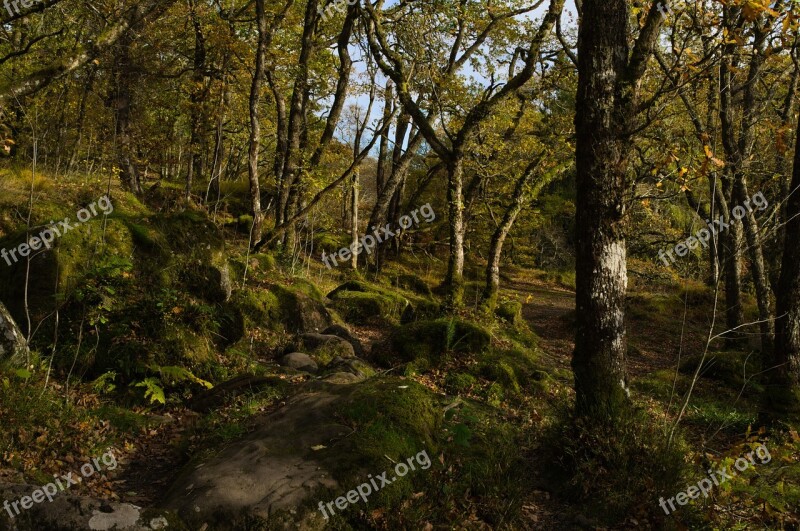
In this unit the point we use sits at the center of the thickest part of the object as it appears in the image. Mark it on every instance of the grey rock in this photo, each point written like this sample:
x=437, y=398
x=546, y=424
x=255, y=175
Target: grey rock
x=275, y=468
x=68, y=511
x=12, y=343
x=300, y=362
x=344, y=333
x=339, y=346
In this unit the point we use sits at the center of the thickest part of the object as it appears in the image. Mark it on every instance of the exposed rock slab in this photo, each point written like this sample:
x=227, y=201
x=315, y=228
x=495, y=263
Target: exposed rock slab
x=274, y=469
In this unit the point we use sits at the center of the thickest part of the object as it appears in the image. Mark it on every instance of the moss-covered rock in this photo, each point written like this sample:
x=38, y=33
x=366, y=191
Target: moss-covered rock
x=430, y=340
x=208, y=281
x=324, y=348
x=510, y=311
x=327, y=440
x=259, y=308
x=77, y=254
x=300, y=311
x=412, y=283
x=362, y=308
x=419, y=310
x=459, y=382
x=391, y=417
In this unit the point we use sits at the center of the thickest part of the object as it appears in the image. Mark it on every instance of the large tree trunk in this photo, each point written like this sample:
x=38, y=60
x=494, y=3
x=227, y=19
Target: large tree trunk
x=784, y=392
x=606, y=99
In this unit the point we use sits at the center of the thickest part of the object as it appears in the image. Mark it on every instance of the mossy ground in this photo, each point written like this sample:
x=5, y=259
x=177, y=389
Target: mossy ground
x=140, y=294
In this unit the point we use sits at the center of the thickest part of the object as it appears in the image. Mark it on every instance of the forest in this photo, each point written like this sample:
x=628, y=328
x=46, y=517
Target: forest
x=399, y=264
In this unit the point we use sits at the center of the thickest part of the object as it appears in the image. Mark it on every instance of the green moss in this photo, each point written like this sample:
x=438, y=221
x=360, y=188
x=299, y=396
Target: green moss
x=266, y=262
x=495, y=395
x=512, y=369
x=182, y=344
x=412, y=283
x=308, y=288
x=459, y=383
x=144, y=236
x=259, y=308
x=402, y=409
x=80, y=246
x=328, y=242
x=361, y=308
x=433, y=339
x=613, y=466
x=510, y=311
x=300, y=311
x=729, y=367
x=191, y=234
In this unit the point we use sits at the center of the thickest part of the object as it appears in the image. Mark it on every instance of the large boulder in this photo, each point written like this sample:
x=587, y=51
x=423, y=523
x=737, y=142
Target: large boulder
x=302, y=310
x=13, y=346
x=309, y=451
x=430, y=341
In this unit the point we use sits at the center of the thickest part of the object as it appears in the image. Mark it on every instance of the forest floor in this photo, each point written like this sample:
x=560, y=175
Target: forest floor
x=550, y=312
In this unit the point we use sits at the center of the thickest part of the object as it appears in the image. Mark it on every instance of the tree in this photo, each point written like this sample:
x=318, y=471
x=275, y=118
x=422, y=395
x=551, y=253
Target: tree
x=452, y=147
x=608, y=80
x=784, y=392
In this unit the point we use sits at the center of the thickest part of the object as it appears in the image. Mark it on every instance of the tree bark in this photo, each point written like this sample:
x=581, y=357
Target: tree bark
x=122, y=103
x=255, y=124
x=455, y=262
x=499, y=236
x=605, y=109
x=198, y=95
x=784, y=391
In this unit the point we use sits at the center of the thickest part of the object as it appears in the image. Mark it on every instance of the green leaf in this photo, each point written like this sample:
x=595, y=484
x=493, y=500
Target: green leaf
x=153, y=391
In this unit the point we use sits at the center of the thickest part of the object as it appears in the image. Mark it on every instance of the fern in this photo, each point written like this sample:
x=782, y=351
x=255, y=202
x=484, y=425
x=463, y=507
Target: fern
x=103, y=383
x=179, y=374
x=152, y=390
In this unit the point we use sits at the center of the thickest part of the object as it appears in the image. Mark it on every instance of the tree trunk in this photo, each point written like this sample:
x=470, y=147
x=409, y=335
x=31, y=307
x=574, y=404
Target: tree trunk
x=601, y=257
x=784, y=391
x=455, y=262
x=354, y=217
x=198, y=96
x=388, y=100
x=255, y=124
x=122, y=103
x=492, y=287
